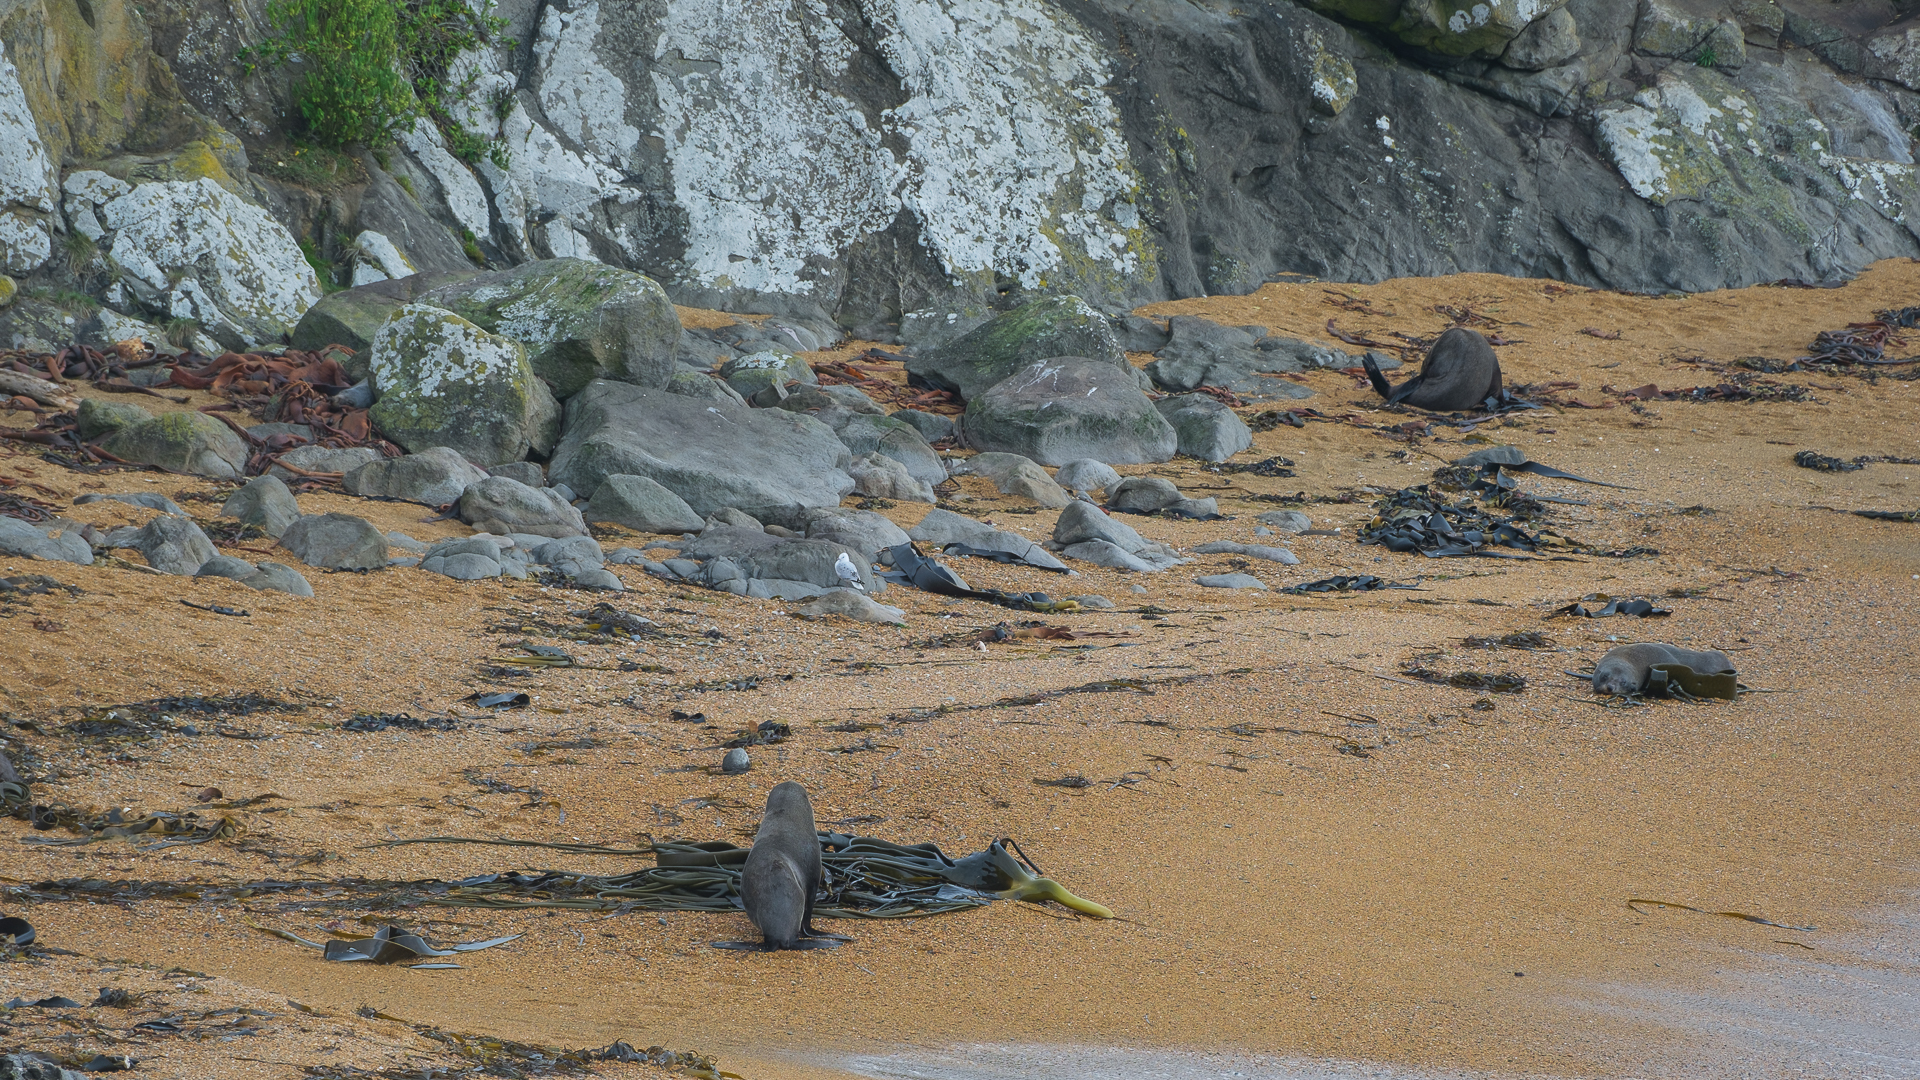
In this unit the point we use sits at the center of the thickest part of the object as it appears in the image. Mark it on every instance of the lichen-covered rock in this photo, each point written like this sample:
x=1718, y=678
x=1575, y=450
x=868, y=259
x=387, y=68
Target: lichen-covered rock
x=1040, y=330
x=712, y=455
x=98, y=417
x=377, y=259
x=192, y=250
x=580, y=320
x=265, y=501
x=755, y=373
x=1332, y=81
x=351, y=317
x=501, y=506
x=1207, y=429
x=444, y=381
x=1662, y=30
x=190, y=442
x=1067, y=408
x=336, y=542
x=638, y=502
x=27, y=179
x=698, y=384
x=435, y=476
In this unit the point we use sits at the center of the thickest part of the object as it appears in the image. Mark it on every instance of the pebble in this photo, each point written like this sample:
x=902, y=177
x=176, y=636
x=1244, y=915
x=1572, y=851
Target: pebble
x=736, y=762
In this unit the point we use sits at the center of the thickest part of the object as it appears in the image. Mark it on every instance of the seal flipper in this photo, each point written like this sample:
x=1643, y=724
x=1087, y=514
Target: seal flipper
x=1379, y=381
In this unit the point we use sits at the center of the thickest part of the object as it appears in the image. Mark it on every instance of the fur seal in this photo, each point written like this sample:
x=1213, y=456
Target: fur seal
x=1626, y=670
x=1460, y=373
x=782, y=871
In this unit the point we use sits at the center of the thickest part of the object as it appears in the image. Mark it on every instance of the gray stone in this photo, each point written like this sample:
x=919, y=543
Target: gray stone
x=1086, y=474
x=321, y=459
x=709, y=454
x=1083, y=528
x=1255, y=551
x=853, y=398
x=1201, y=509
x=146, y=500
x=435, y=476
x=303, y=432
x=353, y=316
x=1240, y=359
x=1108, y=554
x=225, y=566
x=530, y=473
x=881, y=434
x=943, y=527
x=1093, y=601
x=489, y=546
x=28, y=1067
x=54, y=541
x=698, y=384
x=1068, y=408
x=1493, y=455
x=932, y=426
x=571, y=555
x=1291, y=521
x=599, y=577
x=97, y=417
x=358, y=396
x=1144, y=494
x=278, y=577
x=336, y=542
x=1013, y=474
x=396, y=539
x=190, y=442
x=1206, y=427
x=756, y=372
x=885, y=478
x=265, y=501
x=1548, y=41
x=172, y=545
x=729, y=517
x=1230, y=581
x=757, y=555
x=1010, y=343
x=629, y=556
x=1137, y=334
x=445, y=381
x=735, y=762
x=579, y=319
x=638, y=502
x=864, y=532
x=499, y=505
x=462, y=566
x=852, y=604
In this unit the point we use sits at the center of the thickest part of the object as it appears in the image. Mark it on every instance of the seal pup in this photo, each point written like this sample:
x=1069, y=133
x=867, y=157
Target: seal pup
x=1460, y=373
x=781, y=873
x=1625, y=670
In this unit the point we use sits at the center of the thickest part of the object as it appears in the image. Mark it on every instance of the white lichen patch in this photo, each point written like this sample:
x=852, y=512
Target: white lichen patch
x=251, y=270
x=458, y=186
x=584, y=100
x=771, y=166
x=27, y=178
x=377, y=259
x=426, y=352
x=1011, y=136
x=1633, y=137
x=544, y=175
x=1881, y=184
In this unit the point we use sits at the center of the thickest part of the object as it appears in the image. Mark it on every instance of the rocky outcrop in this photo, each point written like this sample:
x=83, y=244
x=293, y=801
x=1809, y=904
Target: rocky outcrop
x=1068, y=408
x=1041, y=330
x=443, y=381
x=189, y=442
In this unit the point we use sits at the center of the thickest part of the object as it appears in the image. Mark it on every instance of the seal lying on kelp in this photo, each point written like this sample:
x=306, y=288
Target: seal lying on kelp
x=782, y=872
x=1460, y=373
x=1628, y=669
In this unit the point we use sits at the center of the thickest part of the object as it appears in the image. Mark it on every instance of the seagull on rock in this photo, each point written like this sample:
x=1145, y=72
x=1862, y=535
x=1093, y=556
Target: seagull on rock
x=843, y=567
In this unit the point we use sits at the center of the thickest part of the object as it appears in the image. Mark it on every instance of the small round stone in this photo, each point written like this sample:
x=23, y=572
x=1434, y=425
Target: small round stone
x=735, y=762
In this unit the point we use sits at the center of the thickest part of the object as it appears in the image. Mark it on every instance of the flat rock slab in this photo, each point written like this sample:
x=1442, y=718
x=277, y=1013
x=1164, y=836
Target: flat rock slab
x=436, y=476
x=1230, y=581
x=336, y=542
x=711, y=455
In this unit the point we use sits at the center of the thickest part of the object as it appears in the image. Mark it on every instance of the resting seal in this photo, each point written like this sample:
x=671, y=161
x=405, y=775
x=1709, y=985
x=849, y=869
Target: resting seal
x=782, y=871
x=1626, y=670
x=1460, y=373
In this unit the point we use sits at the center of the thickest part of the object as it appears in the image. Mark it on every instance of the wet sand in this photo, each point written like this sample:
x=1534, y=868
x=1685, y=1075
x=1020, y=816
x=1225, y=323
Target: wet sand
x=1454, y=901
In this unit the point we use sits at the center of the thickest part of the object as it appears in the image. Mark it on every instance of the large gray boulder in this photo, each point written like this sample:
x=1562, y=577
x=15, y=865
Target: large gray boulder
x=1243, y=359
x=265, y=501
x=1040, y=330
x=866, y=433
x=190, y=442
x=579, y=319
x=1084, y=532
x=1206, y=428
x=351, y=317
x=861, y=531
x=638, y=502
x=757, y=554
x=172, y=545
x=1086, y=475
x=444, y=381
x=1070, y=407
x=435, y=476
x=54, y=541
x=336, y=542
x=501, y=506
x=321, y=459
x=98, y=417
x=710, y=454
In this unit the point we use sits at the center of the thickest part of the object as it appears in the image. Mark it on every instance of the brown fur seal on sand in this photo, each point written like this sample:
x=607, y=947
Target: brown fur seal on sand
x=1625, y=670
x=782, y=872
x=1460, y=373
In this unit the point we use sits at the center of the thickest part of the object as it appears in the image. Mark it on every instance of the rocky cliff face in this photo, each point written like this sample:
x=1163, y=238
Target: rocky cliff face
x=904, y=167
